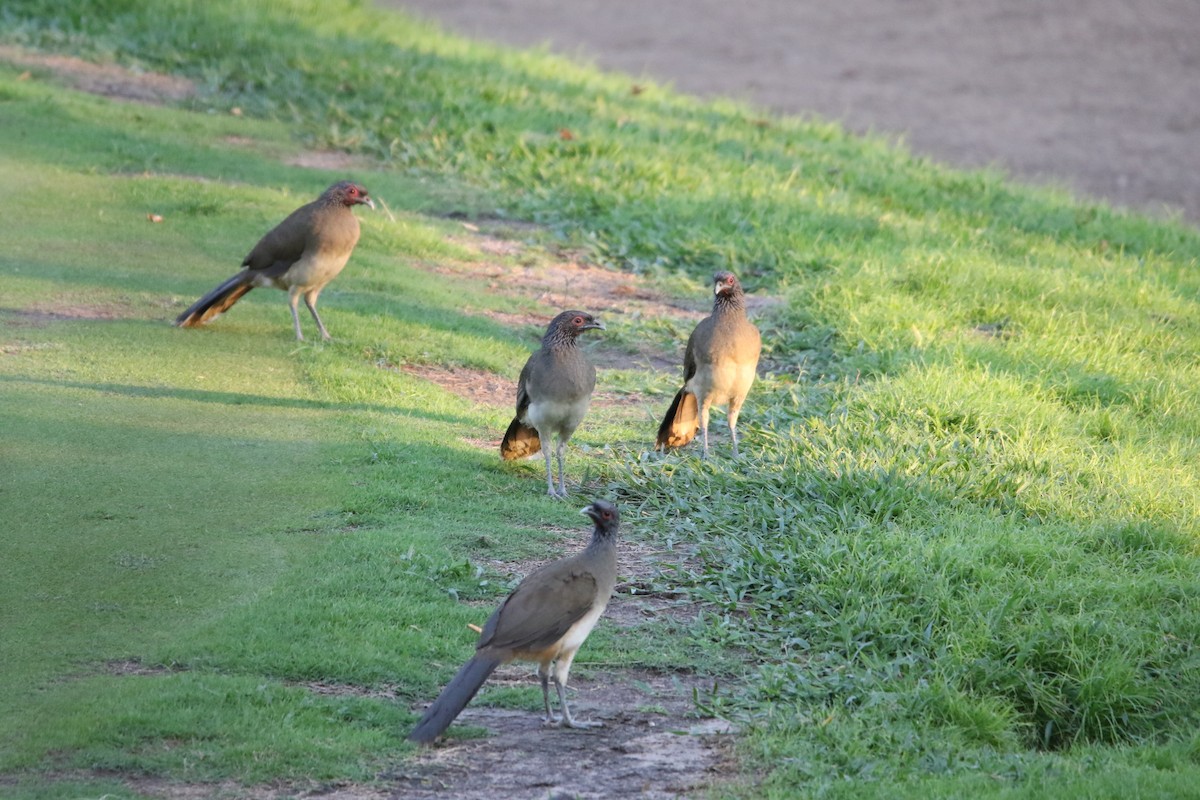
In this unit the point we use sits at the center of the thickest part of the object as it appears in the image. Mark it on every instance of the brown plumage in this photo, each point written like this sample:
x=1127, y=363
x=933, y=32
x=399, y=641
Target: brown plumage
x=299, y=255
x=553, y=393
x=545, y=619
x=718, y=368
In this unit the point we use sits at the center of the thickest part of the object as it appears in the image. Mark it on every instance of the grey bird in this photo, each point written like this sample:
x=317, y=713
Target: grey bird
x=545, y=619
x=299, y=255
x=553, y=393
x=718, y=368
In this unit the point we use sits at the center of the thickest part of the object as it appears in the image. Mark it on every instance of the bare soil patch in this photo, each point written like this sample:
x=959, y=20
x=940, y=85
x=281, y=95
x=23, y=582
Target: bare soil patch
x=652, y=745
x=47, y=313
x=228, y=790
x=133, y=667
x=332, y=160
x=122, y=83
x=560, y=280
x=109, y=80
x=478, y=385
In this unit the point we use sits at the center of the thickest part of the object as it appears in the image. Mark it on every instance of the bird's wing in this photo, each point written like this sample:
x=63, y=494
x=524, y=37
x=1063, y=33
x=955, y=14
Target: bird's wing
x=542, y=608
x=283, y=245
x=698, y=342
x=523, y=398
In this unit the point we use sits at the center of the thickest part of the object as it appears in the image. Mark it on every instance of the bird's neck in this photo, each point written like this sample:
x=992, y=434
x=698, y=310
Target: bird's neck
x=557, y=341
x=733, y=302
x=602, y=538
x=332, y=202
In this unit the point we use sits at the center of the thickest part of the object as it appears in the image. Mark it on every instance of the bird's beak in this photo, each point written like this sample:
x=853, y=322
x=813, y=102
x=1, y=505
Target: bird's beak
x=588, y=511
x=597, y=324
x=366, y=201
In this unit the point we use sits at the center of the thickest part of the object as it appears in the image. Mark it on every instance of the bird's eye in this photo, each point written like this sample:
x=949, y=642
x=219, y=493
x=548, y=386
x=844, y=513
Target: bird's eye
x=579, y=320
x=353, y=190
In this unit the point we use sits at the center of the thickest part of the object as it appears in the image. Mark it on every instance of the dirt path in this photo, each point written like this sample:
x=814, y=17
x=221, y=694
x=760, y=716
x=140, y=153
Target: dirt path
x=1102, y=96
x=651, y=746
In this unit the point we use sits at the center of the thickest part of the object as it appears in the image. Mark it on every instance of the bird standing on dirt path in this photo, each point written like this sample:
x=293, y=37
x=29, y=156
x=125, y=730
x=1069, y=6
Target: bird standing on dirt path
x=718, y=368
x=553, y=393
x=300, y=255
x=545, y=619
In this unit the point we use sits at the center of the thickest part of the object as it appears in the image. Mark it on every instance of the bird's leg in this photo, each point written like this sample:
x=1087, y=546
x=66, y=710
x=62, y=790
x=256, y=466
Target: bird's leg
x=293, y=299
x=704, y=428
x=544, y=675
x=733, y=418
x=310, y=300
x=562, y=481
x=567, y=721
x=562, y=668
x=549, y=470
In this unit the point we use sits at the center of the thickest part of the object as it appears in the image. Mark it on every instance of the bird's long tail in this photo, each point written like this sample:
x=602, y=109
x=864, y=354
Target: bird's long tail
x=453, y=699
x=680, y=423
x=216, y=301
x=520, y=441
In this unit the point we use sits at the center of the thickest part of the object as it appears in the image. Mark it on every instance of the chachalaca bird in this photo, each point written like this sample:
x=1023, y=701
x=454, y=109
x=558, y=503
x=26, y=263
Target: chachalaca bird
x=299, y=255
x=718, y=368
x=553, y=393
x=545, y=619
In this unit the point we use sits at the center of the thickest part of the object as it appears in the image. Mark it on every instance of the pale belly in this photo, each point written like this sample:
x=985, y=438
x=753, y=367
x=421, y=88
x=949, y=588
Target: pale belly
x=555, y=417
x=578, y=632
x=726, y=383
x=306, y=273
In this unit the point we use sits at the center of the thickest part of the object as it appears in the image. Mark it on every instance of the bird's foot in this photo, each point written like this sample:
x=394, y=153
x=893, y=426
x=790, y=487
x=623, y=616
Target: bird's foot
x=580, y=724
x=552, y=720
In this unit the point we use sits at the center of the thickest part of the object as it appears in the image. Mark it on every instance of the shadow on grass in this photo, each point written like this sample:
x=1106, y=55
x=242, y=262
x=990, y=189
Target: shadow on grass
x=236, y=398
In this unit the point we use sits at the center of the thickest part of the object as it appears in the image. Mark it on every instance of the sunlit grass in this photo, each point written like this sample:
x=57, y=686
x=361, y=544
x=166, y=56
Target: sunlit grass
x=959, y=559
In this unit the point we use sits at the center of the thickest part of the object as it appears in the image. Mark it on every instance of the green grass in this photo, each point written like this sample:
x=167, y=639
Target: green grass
x=958, y=559
x=228, y=511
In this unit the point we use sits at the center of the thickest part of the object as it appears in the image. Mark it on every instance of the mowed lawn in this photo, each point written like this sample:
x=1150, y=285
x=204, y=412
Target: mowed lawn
x=958, y=556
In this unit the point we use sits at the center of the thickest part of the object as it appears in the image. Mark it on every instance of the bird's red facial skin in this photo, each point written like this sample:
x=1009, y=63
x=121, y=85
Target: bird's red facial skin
x=355, y=195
